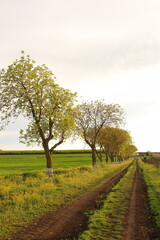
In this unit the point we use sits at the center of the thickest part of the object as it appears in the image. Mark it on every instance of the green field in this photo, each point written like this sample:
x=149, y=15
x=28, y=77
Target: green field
x=20, y=164
x=24, y=197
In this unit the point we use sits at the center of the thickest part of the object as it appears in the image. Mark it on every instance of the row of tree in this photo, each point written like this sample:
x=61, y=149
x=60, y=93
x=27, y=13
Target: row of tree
x=30, y=90
x=97, y=124
x=116, y=144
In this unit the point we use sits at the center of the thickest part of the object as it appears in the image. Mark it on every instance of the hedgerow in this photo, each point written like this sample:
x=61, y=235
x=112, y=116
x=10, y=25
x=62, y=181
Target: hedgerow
x=20, y=152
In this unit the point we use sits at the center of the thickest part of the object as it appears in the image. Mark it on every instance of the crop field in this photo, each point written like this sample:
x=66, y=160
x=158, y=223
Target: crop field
x=20, y=164
x=113, y=201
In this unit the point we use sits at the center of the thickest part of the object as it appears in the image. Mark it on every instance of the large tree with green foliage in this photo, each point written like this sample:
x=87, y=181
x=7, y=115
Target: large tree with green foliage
x=92, y=117
x=29, y=89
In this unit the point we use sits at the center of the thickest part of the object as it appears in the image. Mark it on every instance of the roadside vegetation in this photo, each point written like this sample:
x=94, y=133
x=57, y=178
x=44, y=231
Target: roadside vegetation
x=106, y=223
x=153, y=159
x=152, y=179
x=23, y=197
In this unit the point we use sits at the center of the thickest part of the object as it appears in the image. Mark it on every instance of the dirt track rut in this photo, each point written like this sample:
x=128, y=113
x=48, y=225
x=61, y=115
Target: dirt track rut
x=69, y=222
x=139, y=224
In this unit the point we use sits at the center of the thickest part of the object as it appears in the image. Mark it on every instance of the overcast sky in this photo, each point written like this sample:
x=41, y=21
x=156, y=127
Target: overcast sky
x=102, y=49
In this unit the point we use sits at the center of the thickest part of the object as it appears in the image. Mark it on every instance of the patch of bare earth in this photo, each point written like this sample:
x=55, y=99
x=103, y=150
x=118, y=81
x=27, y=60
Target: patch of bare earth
x=66, y=223
x=139, y=224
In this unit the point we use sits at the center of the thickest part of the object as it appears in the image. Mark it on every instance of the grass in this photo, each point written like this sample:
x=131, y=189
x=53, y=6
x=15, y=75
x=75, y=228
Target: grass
x=106, y=223
x=23, y=197
x=19, y=164
x=152, y=179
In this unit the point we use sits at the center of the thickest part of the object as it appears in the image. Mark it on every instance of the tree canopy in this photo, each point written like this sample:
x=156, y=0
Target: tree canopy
x=116, y=143
x=30, y=89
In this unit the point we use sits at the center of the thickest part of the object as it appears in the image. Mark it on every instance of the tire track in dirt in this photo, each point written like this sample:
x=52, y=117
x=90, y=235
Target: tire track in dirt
x=139, y=224
x=67, y=223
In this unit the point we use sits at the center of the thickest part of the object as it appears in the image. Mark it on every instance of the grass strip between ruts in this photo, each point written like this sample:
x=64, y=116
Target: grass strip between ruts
x=106, y=223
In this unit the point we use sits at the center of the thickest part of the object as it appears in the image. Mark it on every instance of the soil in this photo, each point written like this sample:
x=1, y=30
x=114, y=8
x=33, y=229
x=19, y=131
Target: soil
x=67, y=223
x=139, y=223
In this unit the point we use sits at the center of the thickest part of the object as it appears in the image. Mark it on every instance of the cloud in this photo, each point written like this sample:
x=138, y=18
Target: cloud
x=87, y=36
x=17, y=146
x=102, y=49
x=8, y=137
x=8, y=133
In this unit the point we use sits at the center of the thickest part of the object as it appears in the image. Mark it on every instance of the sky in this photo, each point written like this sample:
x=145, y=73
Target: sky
x=101, y=49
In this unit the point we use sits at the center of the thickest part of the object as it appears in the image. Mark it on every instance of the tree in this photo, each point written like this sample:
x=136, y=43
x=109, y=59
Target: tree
x=128, y=150
x=92, y=117
x=115, y=143
x=31, y=90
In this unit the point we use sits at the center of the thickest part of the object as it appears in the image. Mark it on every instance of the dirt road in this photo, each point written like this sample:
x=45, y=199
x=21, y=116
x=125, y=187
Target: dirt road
x=139, y=224
x=69, y=222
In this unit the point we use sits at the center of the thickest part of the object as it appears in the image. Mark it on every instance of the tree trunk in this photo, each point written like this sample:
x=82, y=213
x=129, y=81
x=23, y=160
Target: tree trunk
x=107, y=157
x=49, y=169
x=99, y=155
x=94, y=163
x=112, y=158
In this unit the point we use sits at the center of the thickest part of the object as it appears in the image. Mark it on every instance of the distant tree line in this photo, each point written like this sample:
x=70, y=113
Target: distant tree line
x=53, y=116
